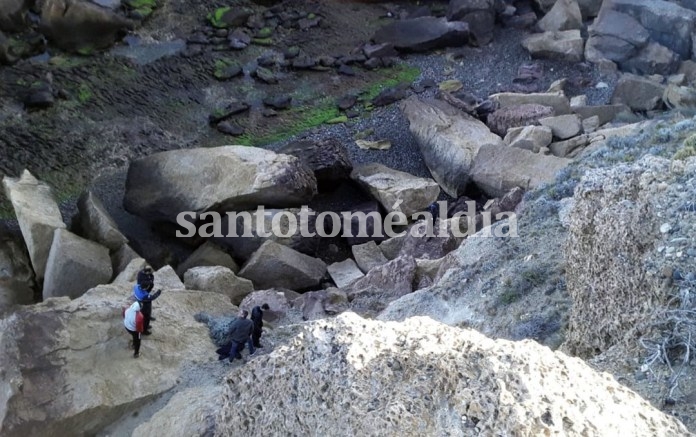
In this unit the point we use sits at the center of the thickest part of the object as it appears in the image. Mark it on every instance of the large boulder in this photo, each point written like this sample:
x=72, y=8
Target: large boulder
x=668, y=23
x=190, y=412
x=381, y=285
x=344, y=272
x=422, y=377
x=448, y=141
x=280, y=303
x=509, y=117
x=566, y=45
x=564, y=15
x=166, y=279
x=327, y=158
x=16, y=274
x=680, y=97
x=615, y=36
x=459, y=149
x=228, y=178
x=368, y=256
x=278, y=225
x=67, y=367
x=320, y=304
x=423, y=34
x=652, y=59
x=96, y=224
x=75, y=265
x=276, y=266
x=38, y=216
x=396, y=190
x=208, y=254
x=558, y=101
x=529, y=137
x=425, y=242
x=121, y=258
x=638, y=93
x=13, y=14
x=218, y=279
x=80, y=25
x=478, y=14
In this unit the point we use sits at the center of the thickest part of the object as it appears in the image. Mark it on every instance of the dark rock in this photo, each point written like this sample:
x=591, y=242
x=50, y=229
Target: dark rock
x=256, y=21
x=291, y=52
x=227, y=71
x=308, y=23
x=229, y=128
x=417, y=88
x=352, y=113
x=327, y=61
x=528, y=78
x=278, y=102
x=355, y=224
x=268, y=60
x=266, y=75
x=390, y=95
x=354, y=58
x=346, y=70
x=268, y=112
x=239, y=40
x=327, y=158
x=303, y=62
x=638, y=93
x=388, y=62
x=221, y=33
x=379, y=50
x=428, y=83
x=80, y=26
x=235, y=17
x=198, y=38
x=39, y=97
x=652, y=59
x=423, y=34
x=668, y=23
x=523, y=21
x=420, y=11
x=515, y=116
x=228, y=111
x=478, y=14
x=347, y=101
x=372, y=63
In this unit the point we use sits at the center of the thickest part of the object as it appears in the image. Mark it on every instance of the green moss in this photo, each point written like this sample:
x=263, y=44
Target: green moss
x=216, y=17
x=67, y=62
x=85, y=51
x=298, y=120
x=84, y=93
x=337, y=120
x=266, y=32
x=262, y=41
x=391, y=77
x=140, y=4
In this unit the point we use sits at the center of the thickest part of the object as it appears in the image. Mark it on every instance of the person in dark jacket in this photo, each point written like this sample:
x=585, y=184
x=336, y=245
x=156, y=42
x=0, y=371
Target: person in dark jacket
x=257, y=318
x=240, y=334
x=142, y=293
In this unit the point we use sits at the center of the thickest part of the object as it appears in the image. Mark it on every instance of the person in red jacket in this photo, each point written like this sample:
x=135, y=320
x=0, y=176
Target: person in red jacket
x=134, y=321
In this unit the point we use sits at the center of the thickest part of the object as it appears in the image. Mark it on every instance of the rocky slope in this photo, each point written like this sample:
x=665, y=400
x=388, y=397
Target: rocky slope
x=349, y=376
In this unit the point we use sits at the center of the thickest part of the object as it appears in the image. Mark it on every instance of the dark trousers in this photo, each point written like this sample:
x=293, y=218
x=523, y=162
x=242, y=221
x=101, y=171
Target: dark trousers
x=146, y=309
x=232, y=350
x=237, y=347
x=256, y=336
x=136, y=340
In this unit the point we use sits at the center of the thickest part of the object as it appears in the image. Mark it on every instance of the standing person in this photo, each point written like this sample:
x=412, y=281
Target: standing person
x=240, y=334
x=134, y=322
x=141, y=292
x=257, y=318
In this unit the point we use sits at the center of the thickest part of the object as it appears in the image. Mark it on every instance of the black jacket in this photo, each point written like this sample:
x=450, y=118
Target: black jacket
x=257, y=317
x=240, y=330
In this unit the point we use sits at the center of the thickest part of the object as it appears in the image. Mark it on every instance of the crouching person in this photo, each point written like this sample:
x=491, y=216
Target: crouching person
x=240, y=334
x=134, y=321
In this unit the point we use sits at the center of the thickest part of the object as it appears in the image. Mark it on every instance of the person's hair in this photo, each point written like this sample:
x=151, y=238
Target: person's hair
x=245, y=313
x=265, y=306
